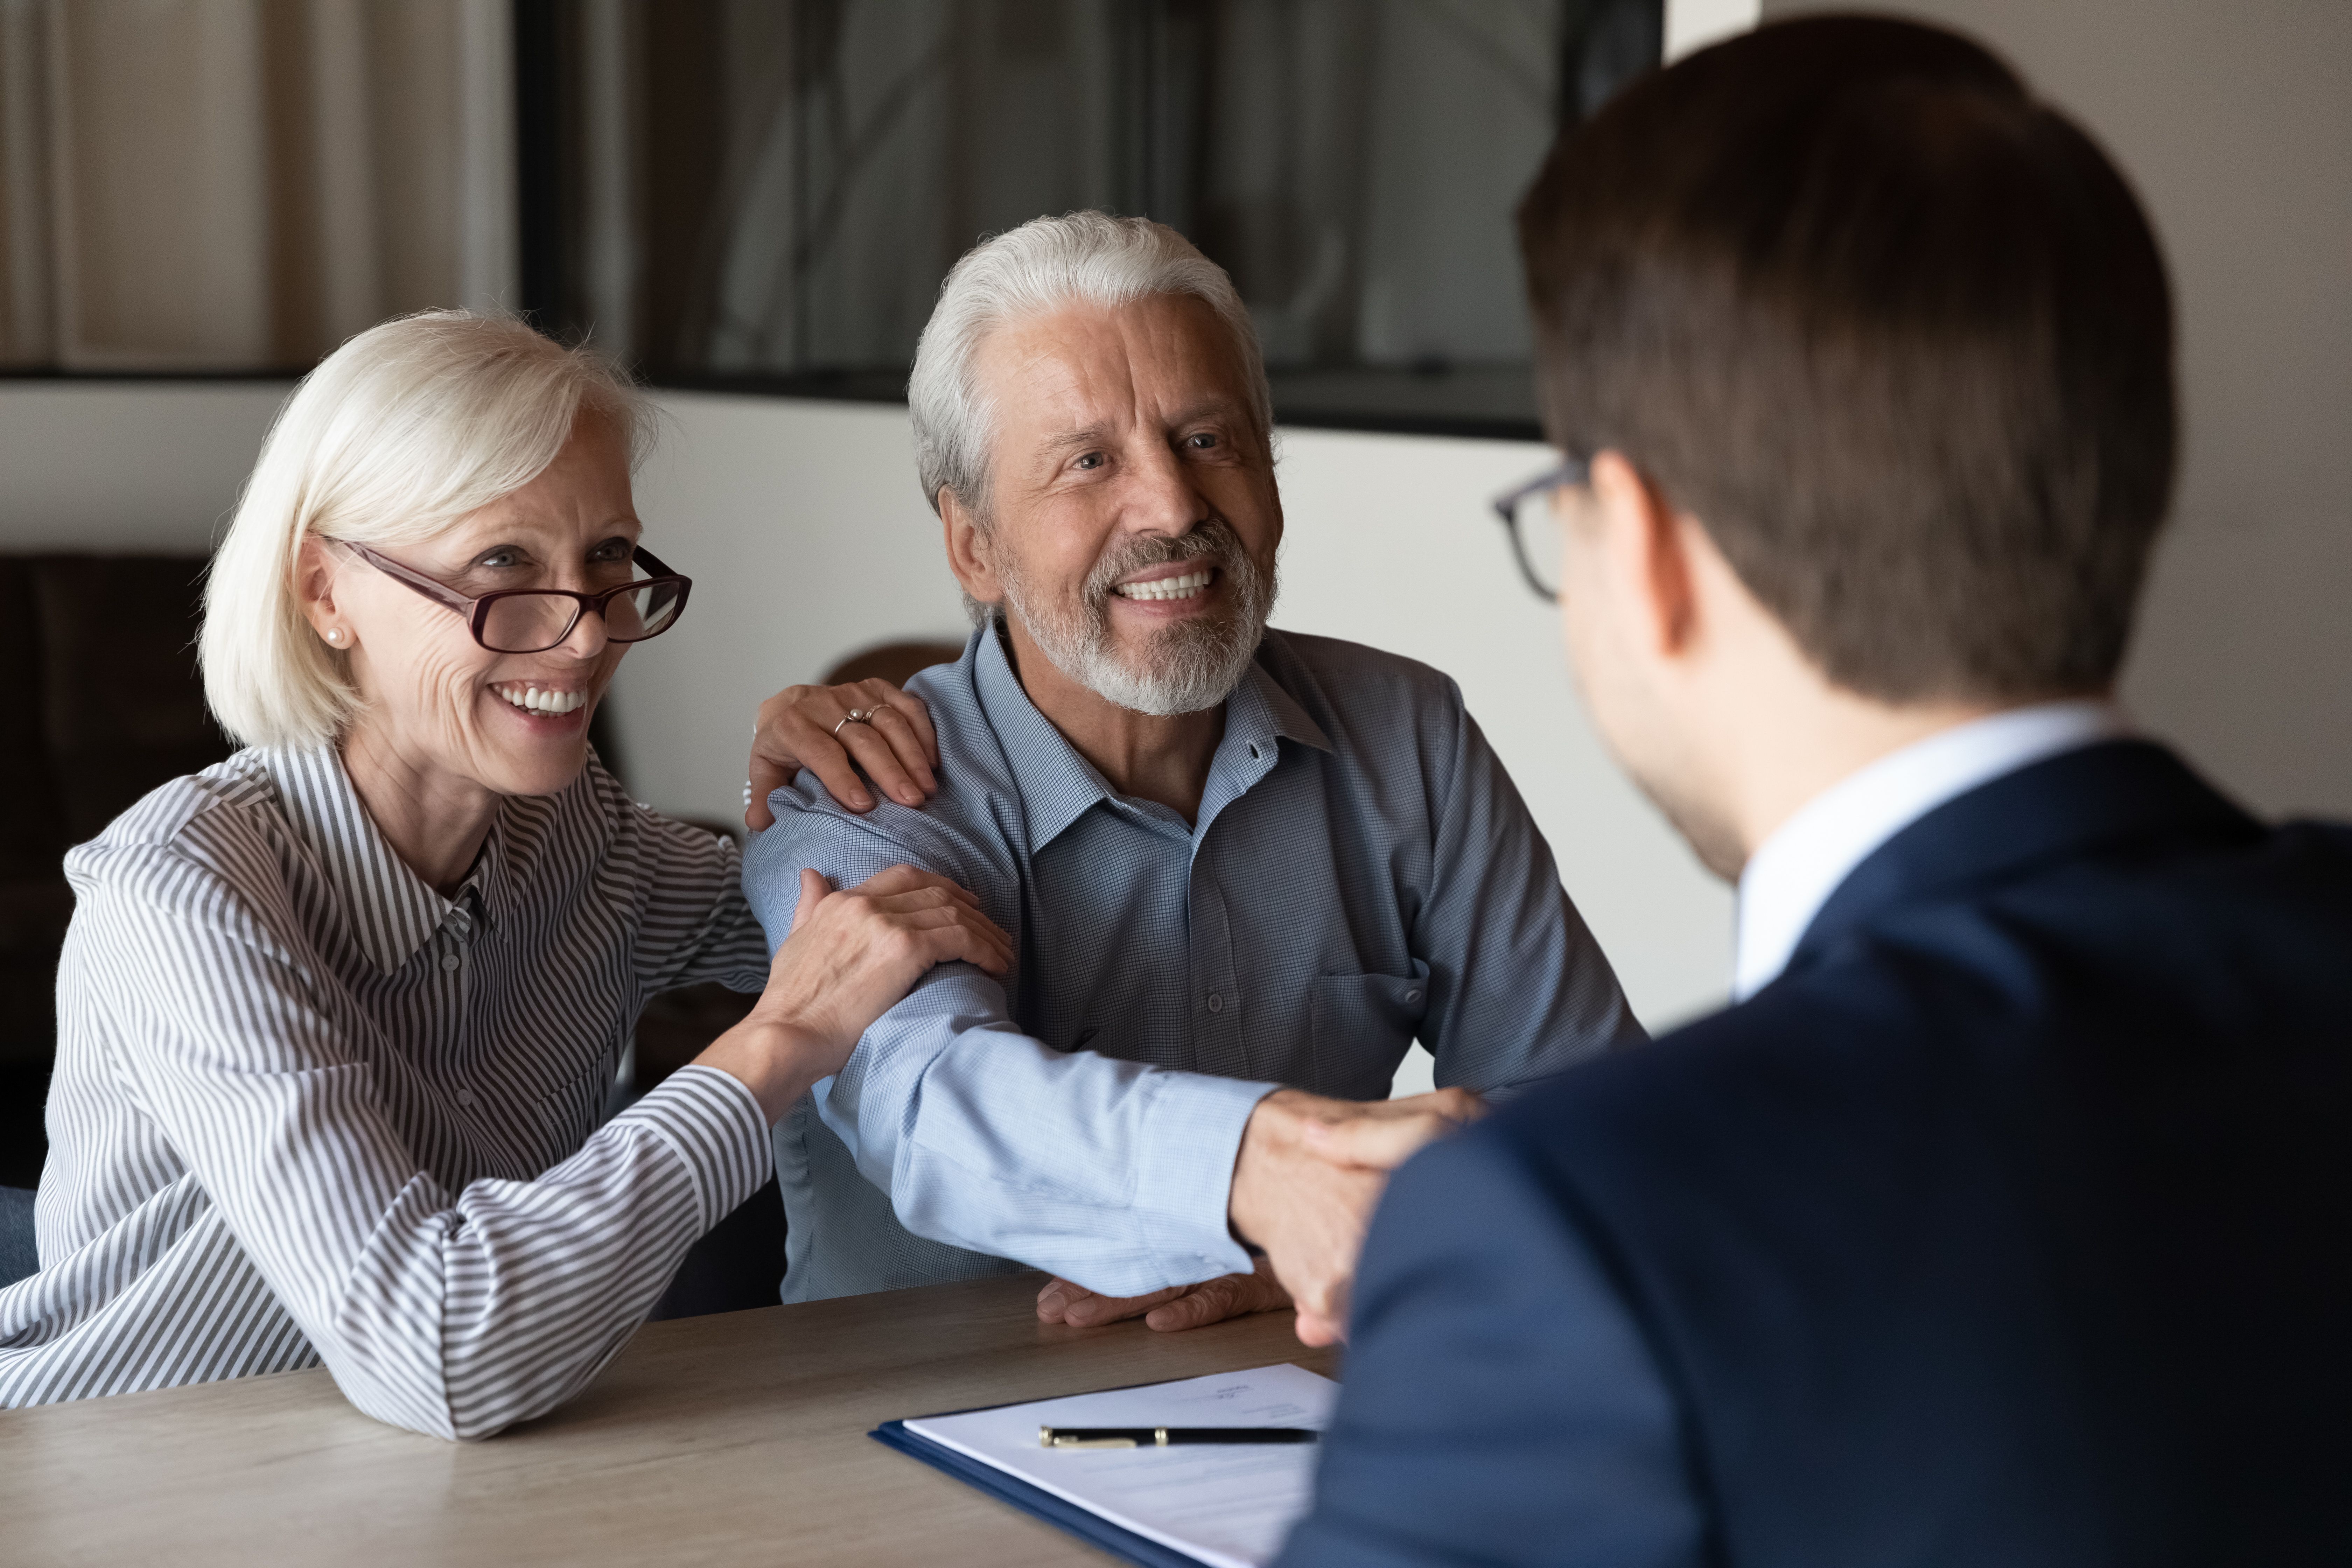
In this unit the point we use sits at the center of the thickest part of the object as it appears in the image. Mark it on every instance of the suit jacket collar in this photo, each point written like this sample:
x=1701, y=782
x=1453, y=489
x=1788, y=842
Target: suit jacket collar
x=2100, y=797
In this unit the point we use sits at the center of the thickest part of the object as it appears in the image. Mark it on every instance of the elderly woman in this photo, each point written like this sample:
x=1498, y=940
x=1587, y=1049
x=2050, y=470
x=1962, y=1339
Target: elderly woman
x=337, y=1018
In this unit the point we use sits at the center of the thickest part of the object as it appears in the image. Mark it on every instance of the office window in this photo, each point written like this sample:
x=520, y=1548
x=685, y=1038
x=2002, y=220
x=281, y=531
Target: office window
x=765, y=195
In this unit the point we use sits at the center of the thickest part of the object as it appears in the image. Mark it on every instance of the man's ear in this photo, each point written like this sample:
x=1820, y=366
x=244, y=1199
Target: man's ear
x=1647, y=551
x=971, y=555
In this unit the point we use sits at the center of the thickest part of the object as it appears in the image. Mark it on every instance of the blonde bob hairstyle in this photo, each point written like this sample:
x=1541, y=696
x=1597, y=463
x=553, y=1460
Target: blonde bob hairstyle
x=398, y=435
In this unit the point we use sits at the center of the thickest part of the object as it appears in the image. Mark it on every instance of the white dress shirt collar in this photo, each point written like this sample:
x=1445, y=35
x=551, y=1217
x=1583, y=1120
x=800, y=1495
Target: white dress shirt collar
x=1793, y=872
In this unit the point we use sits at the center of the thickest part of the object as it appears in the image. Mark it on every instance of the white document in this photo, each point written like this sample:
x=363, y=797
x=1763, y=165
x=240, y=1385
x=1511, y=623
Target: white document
x=1227, y=1506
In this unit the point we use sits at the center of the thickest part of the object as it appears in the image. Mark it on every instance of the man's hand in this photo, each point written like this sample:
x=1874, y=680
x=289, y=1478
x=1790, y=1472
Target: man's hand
x=802, y=727
x=1309, y=1175
x=1181, y=1307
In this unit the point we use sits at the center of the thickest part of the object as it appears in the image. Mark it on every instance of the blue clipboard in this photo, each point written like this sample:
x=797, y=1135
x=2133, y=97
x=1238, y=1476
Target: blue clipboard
x=1035, y=1501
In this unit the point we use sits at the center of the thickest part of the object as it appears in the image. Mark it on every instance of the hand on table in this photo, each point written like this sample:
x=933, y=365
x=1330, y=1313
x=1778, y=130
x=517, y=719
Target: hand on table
x=802, y=727
x=1311, y=1172
x=1181, y=1307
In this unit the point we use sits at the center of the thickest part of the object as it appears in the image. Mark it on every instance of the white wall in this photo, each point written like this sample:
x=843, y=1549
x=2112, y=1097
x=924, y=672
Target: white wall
x=1694, y=24
x=126, y=466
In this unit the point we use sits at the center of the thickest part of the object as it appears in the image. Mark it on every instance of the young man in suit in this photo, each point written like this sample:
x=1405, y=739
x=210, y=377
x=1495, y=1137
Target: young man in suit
x=2004, y=1218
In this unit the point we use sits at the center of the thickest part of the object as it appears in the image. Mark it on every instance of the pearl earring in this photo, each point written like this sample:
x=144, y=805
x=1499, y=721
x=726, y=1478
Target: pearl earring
x=335, y=635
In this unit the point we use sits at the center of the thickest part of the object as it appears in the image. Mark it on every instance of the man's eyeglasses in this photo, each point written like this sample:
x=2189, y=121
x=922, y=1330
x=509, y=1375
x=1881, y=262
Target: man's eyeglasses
x=1526, y=513
x=532, y=620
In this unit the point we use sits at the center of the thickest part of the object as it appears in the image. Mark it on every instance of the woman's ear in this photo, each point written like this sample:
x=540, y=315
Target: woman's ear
x=314, y=590
x=971, y=555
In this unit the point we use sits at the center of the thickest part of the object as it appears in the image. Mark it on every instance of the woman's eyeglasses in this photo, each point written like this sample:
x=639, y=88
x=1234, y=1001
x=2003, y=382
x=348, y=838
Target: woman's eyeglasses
x=532, y=620
x=1527, y=512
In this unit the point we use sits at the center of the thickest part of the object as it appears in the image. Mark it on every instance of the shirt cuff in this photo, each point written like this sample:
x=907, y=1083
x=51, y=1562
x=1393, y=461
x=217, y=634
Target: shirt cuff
x=711, y=1122
x=1186, y=1177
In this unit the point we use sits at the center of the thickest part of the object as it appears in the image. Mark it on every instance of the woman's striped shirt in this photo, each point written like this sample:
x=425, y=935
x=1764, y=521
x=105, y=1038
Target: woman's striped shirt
x=307, y=1109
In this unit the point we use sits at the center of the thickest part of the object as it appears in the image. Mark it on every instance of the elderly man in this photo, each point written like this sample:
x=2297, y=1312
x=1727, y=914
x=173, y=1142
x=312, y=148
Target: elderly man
x=1243, y=869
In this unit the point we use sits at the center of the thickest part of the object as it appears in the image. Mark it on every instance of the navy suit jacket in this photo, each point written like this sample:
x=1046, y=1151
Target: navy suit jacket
x=2009, y=1225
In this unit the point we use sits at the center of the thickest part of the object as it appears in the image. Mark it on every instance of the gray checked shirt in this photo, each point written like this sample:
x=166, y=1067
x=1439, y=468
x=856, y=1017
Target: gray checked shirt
x=1361, y=873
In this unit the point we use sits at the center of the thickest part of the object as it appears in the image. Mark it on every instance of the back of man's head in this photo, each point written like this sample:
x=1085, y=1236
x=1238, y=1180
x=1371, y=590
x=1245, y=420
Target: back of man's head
x=1896, y=332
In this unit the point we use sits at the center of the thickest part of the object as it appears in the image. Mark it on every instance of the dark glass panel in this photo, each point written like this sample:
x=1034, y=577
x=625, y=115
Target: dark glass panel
x=766, y=195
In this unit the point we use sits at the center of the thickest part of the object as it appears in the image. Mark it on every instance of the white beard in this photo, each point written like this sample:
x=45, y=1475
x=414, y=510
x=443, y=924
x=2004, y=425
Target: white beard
x=1189, y=667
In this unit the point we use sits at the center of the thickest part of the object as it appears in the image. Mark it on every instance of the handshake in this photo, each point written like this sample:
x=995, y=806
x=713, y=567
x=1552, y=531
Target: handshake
x=1310, y=1171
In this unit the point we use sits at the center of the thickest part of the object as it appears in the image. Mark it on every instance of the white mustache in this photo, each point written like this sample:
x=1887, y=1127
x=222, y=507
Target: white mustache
x=1212, y=544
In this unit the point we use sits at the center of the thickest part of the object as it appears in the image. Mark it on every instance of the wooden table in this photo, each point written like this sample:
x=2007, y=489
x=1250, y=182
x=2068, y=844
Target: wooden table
x=731, y=1439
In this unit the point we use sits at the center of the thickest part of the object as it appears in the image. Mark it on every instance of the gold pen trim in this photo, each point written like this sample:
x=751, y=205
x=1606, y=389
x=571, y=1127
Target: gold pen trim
x=1048, y=1438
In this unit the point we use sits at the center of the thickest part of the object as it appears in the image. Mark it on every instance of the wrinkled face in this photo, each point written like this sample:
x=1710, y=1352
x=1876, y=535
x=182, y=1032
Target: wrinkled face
x=515, y=723
x=1133, y=516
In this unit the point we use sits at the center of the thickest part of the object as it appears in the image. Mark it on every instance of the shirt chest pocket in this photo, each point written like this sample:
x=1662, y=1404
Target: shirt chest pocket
x=1362, y=1024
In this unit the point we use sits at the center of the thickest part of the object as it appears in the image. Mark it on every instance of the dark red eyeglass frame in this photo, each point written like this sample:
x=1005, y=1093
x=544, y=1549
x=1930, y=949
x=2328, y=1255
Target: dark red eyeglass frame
x=476, y=612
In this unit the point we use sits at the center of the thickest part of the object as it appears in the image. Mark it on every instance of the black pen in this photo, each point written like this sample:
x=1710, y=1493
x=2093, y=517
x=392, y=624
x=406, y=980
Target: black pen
x=1166, y=1437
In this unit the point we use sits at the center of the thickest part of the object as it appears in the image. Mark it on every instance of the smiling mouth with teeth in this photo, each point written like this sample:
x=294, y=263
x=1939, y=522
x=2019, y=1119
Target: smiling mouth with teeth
x=1184, y=587
x=532, y=700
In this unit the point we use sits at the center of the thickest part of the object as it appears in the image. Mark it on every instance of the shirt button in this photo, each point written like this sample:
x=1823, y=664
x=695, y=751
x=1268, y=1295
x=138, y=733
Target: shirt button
x=1216, y=1003
x=450, y=960
x=1413, y=997
x=466, y=1096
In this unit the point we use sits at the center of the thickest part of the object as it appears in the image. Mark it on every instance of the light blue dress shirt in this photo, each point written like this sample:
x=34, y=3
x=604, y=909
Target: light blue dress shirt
x=1361, y=873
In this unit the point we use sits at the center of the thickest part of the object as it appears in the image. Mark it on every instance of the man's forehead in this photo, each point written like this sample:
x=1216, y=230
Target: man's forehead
x=1085, y=365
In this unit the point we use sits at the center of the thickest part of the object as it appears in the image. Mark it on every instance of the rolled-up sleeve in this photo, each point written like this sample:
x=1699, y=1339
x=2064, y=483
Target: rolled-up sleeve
x=450, y=1313
x=1109, y=1172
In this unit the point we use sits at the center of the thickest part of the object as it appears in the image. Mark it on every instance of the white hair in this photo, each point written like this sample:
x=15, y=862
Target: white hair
x=407, y=429
x=1048, y=264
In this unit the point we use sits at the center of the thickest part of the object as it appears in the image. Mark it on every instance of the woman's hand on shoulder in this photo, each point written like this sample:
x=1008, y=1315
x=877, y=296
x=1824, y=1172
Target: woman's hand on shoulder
x=851, y=956
x=810, y=727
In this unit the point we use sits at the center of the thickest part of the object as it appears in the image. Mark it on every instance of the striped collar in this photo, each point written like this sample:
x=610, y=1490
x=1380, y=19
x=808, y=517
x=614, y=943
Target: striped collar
x=1059, y=785
x=390, y=911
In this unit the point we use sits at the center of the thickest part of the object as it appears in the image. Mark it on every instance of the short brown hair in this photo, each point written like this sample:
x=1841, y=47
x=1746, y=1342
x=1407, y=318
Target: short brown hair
x=1896, y=332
